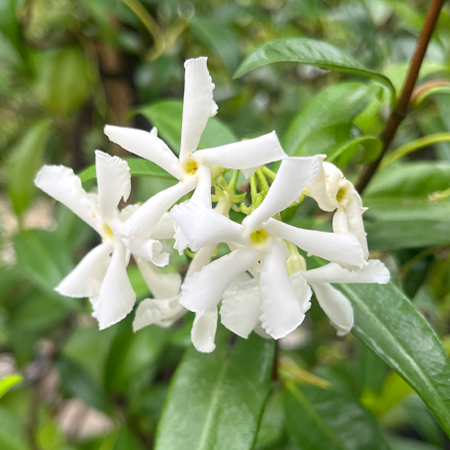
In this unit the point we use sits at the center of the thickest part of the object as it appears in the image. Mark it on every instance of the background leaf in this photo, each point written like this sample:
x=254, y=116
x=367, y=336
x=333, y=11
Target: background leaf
x=216, y=400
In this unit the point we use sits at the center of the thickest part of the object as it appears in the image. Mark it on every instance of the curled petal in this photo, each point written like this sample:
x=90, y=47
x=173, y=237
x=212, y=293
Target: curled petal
x=165, y=228
x=241, y=309
x=201, y=259
x=356, y=224
x=343, y=249
x=302, y=290
x=116, y=298
x=149, y=250
x=204, y=331
x=162, y=285
x=159, y=312
x=326, y=185
x=198, y=104
x=146, y=145
x=203, y=226
x=114, y=183
x=281, y=311
x=374, y=272
x=202, y=193
x=63, y=185
x=292, y=177
x=144, y=221
x=202, y=291
x=336, y=306
x=244, y=154
x=87, y=277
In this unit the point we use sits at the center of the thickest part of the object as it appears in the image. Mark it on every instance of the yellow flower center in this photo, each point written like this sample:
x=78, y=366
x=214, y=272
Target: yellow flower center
x=109, y=233
x=341, y=195
x=190, y=167
x=259, y=237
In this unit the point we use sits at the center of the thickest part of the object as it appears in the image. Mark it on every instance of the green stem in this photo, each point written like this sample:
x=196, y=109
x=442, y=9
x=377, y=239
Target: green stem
x=233, y=182
x=262, y=182
x=413, y=146
x=268, y=172
x=253, y=189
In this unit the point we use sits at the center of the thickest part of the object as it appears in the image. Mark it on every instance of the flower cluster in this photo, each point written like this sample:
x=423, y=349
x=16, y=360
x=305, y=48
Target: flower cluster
x=263, y=283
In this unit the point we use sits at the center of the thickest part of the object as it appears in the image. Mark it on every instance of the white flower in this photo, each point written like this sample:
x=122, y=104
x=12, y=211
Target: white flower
x=257, y=245
x=332, y=191
x=192, y=168
x=242, y=303
x=101, y=275
x=164, y=309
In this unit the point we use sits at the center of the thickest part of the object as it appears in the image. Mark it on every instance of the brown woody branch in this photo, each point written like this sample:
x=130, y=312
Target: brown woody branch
x=401, y=110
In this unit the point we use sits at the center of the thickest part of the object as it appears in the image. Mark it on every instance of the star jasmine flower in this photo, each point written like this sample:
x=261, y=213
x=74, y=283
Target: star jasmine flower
x=258, y=246
x=332, y=191
x=193, y=167
x=101, y=275
x=242, y=302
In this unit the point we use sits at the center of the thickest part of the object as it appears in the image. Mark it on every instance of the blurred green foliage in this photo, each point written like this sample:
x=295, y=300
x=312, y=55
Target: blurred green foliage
x=68, y=67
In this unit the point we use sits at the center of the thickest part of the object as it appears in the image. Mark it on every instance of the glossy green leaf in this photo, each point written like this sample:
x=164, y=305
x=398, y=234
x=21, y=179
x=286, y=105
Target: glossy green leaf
x=320, y=419
x=8, y=382
x=64, y=79
x=407, y=233
x=313, y=53
x=216, y=400
x=138, y=168
x=166, y=116
x=218, y=38
x=26, y=159
x=387, y=322
x=344, y=153
x=337, y=104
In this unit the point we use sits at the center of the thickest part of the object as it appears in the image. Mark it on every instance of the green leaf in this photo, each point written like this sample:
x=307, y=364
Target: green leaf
x=8, y=382
x=337, y=104
x=138, y=168
x=76, y=382
x=167, y=115
x=64, y=79
x=387, y=322
x=320, y=419
x=218, y=38
x=45, y=259
x=216, y=400
x=313, y=53
x=25, y=161
x=345, y=152
x=12, y=432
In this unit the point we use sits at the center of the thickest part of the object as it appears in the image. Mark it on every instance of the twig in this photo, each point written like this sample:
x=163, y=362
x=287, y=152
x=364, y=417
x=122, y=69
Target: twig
x=397, y=116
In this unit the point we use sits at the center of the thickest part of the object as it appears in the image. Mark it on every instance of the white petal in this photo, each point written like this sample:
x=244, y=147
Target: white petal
x=117, y=298
x=292, y=177
x=114, y=183
x=301, y=289
x=202, y=291
x=149, y=249
x=146, y=145
x=162, y=312
x=202, y=193
x=340, y=222
x=198, y=104
x=87, y=277
x=244, y=154
x=343, y=249
x=165, y=228
x=240, y=309
x=145, y=220
x=204, y=331
x=281, y=310
x=326, y=185
x=356, y=224
x=336, y=306
x=203, y=226
x=162, y=285
x=63, y=185
x=374, y=272
x=201, y=259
